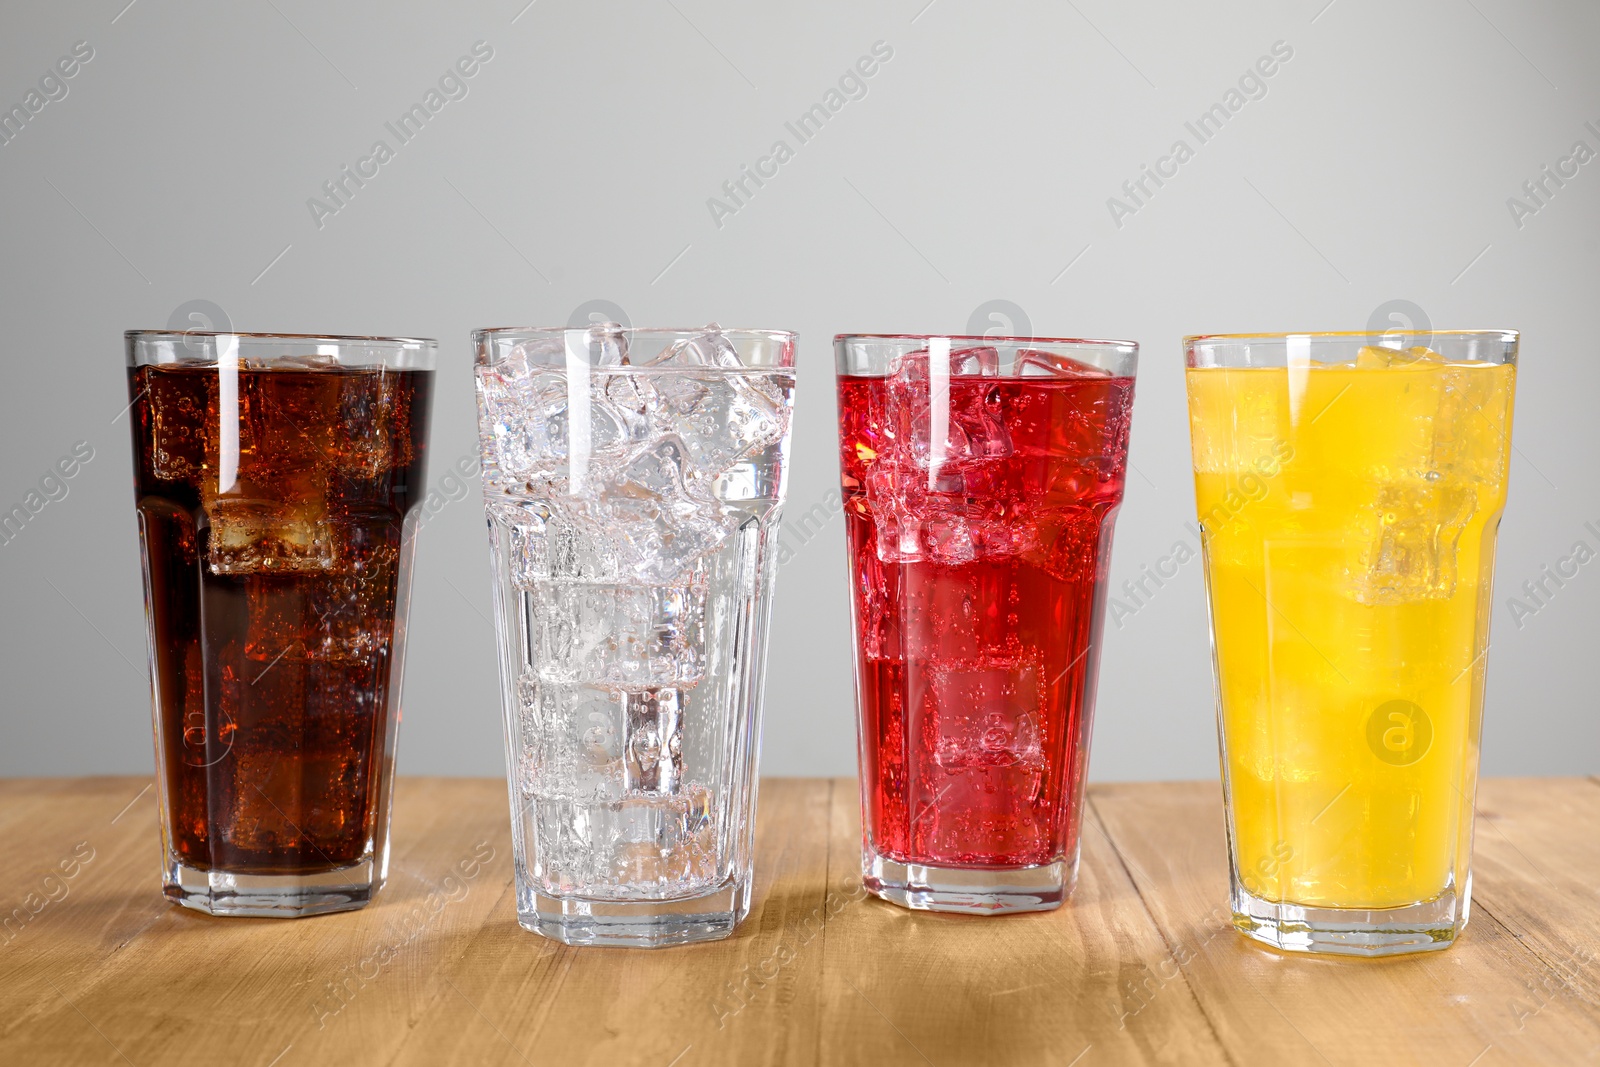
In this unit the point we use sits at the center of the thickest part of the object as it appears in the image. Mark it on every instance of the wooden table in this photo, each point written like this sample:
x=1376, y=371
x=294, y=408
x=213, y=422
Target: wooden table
x=1141, y=967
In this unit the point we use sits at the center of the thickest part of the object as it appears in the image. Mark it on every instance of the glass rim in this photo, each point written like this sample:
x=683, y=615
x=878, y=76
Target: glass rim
x=732, y=333
x=1513, y=336
x=1101, y=342
x=319, y=338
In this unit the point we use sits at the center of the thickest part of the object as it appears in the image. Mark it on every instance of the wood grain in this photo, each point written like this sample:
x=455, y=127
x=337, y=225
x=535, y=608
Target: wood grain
x=1140, y=968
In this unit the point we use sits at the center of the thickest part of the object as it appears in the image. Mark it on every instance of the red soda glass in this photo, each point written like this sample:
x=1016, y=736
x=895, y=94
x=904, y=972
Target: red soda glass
x=981, y=477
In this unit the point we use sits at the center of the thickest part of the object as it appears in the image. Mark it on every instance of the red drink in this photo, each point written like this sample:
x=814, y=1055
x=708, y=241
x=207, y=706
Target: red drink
x=978, y=559
x=272, y=503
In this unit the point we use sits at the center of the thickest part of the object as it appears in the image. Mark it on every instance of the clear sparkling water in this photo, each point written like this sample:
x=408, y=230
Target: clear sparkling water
x=630, y=506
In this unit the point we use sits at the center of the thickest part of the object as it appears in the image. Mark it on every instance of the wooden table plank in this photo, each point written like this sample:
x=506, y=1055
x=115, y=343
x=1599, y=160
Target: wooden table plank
x=1445, y=1008
x=517, y=995
x=1039, y=989
x=1141, y=967
x=1535, y=875
x=212, y=987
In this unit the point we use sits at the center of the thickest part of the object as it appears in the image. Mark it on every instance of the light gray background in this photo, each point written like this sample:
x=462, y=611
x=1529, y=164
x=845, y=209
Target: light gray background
x=977, y=167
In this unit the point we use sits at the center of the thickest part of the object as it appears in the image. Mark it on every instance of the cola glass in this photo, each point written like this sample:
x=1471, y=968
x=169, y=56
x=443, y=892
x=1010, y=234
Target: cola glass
x=633, y=482
x=981, y=477
x=274, y=476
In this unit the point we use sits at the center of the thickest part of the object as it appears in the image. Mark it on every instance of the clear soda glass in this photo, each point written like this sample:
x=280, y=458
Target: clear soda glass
x=633, y=482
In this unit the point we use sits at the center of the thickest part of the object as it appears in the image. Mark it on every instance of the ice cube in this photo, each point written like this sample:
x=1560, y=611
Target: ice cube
x=1374, y=357
x=946, y=492
x=374, y=419
x=343, y=615
x=255, y=536
x=653, y=747
x=985, y=715
x=530, y=720
x=288, y=426
x=352, y=609
x=605, y=344
x=630, y=399
x=1471, y=428
x=625, y=635
x=546, y=541
x=525, y=425
x=1067, y=542
x=987, y=766
x=1033, y=363
x=177, y=423
x=580, y=736
x=722, y=418
x=1404, y=551
x=881, y=637
x=962, y=362
x=531, y=357
x=1442, y=444
x=708, y=348
x=943, y=524
x=535, y=427
x=663, y=471
x=315, y=361
x=1235, y=429
x=973, y=425
x=643, y=846
x=661, y=513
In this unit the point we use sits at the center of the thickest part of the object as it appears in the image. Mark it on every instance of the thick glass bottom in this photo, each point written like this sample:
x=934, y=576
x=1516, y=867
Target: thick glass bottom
x=272, y=896
x=1424, y=927
x=975, y=891
x=634, y=923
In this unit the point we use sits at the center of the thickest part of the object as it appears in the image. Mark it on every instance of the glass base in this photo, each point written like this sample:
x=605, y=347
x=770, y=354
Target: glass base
x=634, y=923
x=271, y=896
x=1424, y=927
x=972, y=890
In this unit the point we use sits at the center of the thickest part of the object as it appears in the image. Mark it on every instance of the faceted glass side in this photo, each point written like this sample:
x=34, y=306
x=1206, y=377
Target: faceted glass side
x=632, y=508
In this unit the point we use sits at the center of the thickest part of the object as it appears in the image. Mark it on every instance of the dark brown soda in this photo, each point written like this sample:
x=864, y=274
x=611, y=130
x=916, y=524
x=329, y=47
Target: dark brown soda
x=272, y=508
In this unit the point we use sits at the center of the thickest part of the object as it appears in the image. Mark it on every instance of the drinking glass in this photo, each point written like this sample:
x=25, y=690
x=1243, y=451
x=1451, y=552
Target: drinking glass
x=981, y=477
x=633, y=481
x=1349, y=489
x=274, y=476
